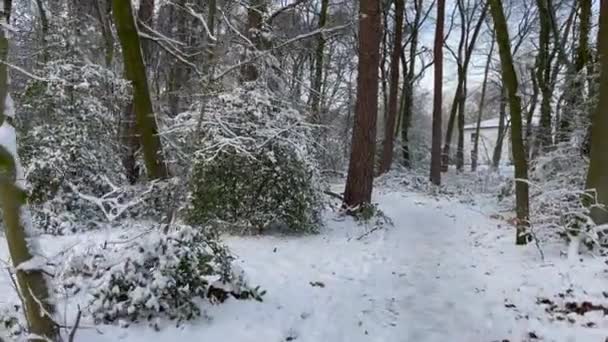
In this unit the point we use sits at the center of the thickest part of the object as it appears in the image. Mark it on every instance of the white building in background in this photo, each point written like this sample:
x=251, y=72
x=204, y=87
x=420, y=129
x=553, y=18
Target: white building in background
x=488, y=136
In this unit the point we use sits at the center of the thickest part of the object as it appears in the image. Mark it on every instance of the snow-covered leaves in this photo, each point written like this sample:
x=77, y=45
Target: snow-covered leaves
x=254, y=169
x=156, y=276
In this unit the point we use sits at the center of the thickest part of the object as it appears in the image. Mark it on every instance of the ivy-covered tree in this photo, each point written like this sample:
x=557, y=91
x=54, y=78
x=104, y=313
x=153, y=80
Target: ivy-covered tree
x=30, y=278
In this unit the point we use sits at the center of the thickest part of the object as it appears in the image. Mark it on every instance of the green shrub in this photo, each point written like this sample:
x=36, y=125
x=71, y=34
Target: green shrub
x=254, y=171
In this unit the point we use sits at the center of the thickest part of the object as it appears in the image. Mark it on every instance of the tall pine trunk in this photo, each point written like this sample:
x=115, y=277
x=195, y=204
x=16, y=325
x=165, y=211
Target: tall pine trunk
x=510, y=83
x=438, y=95
x=31, y=281
x=597, y=178
x=136, y=73
x=389, y=128
x=359, y=182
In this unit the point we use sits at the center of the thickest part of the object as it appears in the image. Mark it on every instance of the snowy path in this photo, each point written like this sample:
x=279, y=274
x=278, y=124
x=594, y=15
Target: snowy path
x=417, y=281
x=443, y=272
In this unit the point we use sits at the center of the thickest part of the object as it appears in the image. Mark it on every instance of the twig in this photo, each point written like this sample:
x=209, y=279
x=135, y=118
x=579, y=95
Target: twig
x=75, y=327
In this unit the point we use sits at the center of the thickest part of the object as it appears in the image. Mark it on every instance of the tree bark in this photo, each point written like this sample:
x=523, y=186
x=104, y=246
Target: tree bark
x=438, y=95
x=519, y=156
x=359, y=182
x=389, y=127
x=31, y=281
x=597, y=178
x=317, y=82
x=136, y=73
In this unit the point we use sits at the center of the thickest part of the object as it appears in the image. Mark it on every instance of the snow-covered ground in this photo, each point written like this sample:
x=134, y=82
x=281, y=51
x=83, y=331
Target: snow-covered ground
x=445, y=271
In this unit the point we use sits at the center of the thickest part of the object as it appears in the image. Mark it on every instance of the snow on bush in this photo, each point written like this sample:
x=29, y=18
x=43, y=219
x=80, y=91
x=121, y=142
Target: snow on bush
x=559, y=206
x=70, y=139
x=156, y=276
x=254, y=169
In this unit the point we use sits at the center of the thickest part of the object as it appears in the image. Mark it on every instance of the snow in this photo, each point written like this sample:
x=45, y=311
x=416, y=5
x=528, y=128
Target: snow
x=444, y=271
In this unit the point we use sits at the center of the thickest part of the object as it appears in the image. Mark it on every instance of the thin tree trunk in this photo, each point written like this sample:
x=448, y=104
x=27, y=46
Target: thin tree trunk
x=463, y=65
x=255, y=23
x=359, y=181
x=438, y=96
x=136, y=73
x=408, y=85
x=475, y=152
x=461, y=113
x=32, y=284
x=44, y=21
x=317, y=81
x=544, y=138
x=145, y=15
x=519, y=156
x=530, y=116
x=502, y=131
x=597, y=178
x=104, y=11
x=389, y=128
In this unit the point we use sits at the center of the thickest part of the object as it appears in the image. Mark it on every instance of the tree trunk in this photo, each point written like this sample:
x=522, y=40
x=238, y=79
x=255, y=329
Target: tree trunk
x=44, y=21
x=597, y=178
x=389, y=128
x=145, y=15
x=502, y=131
x=317, y=81
x=32, y=284
x=461, y=113
x=408, y=85
x=530, y=116
x=475, y=152
x=104, y=11
x=437, y=97
x=136, y=73
x=544, y=138
x=255, y=21
x=360, y=177
x=519, y=156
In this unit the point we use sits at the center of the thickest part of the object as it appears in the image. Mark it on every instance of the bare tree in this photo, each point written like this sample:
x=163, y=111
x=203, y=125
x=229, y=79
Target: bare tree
x=466, y=46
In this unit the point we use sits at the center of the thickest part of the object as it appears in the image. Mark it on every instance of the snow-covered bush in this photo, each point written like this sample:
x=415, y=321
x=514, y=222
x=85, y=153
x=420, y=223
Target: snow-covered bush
x=255, y=170
x=156, y=276
x=559, y=207
x=70, y=137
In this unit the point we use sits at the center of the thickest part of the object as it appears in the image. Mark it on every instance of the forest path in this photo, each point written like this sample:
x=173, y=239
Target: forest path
x=423, y=279
x=443, y=272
